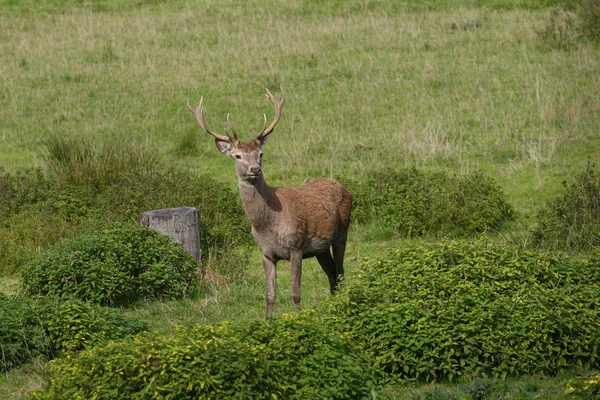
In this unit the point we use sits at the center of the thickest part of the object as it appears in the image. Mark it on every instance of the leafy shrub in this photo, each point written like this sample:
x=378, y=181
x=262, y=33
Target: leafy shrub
x=440, y=311
x=21, y=338
x=113, y=267
x=414, y=203
x=222, y=218
x=126, y=179
x=31, y=328
x=92, y=185
x=17, y=190
x=291, y=358
x=572, y=220
x=36, y=212
x=24, y=225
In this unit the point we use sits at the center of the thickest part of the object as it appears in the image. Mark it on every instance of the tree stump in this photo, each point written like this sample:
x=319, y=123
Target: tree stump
x=181, y=224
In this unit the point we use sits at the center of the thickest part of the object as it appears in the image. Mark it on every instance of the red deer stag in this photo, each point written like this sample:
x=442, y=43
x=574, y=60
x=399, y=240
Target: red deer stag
x=287, y=223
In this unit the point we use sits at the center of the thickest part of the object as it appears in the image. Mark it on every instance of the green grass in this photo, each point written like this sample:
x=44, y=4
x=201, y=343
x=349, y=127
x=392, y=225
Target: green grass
x=523, y=389
x=459, y=86
x=365, y=88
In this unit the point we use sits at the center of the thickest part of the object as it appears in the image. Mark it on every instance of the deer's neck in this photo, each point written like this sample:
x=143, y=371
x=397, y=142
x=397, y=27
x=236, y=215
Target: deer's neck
x=259, y=201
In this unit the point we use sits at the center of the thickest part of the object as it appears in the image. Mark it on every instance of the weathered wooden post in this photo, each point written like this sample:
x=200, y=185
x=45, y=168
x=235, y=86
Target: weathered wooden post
x=181, y=224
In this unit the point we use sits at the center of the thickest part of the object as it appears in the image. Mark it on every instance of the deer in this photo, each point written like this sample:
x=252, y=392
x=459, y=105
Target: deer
x=288, y=223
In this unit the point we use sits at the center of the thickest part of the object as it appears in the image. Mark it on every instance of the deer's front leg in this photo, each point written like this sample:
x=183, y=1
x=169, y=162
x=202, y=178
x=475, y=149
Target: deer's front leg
x=296, y=261
x=271, y=275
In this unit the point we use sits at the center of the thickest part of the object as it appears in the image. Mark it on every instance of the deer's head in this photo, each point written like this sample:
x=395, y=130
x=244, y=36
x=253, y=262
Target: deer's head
x=247, y=155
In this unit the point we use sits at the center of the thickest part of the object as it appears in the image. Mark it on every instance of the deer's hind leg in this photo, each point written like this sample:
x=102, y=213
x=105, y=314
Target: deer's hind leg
x=296, y=276
x=328, y=266
x=339, y=249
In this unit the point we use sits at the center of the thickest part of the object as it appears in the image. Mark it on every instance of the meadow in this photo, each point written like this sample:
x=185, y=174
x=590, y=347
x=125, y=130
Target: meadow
x=509, y=89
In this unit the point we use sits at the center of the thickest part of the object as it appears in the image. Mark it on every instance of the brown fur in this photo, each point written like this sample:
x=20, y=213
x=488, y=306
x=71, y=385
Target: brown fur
x=287, y=219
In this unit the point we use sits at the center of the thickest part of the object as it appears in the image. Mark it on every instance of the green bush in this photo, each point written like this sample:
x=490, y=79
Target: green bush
x=222, y=218
x=126, y=179
x=36, y=212
x=90, y=186
x=48, y=326
x=113, y=267
x=415, y=203
x=572, y=220
x=440, y=311
x=293, y=357
x=21, y=336
x=37, y=227
x=20, y=189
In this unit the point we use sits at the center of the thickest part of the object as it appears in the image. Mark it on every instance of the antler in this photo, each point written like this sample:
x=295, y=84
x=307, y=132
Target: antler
x=278, y=106
x=200, y=118
x=232, y=128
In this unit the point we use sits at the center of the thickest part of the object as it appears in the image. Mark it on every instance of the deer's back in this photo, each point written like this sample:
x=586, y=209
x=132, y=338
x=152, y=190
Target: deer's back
x=327, y=197
x=323, y=205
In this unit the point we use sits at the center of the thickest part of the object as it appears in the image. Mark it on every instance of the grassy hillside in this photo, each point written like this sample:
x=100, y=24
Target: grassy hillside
x=459, y=87
x=510, y=88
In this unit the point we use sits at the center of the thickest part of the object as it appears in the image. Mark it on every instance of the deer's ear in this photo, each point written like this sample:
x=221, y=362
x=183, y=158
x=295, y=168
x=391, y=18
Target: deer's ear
x=263, y=140
x=226, y=148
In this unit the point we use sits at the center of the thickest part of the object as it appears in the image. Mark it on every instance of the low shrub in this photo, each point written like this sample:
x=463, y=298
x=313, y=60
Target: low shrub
x=90, y=186
x=222, y=218
x=22, y=335
x=440, y=311
x=572, y=220
x=26, y=232
x=125, y=179
x=289, y=358
x=20, y=189
x=35, y=212
x=113, y=267
x=48, y=326
x=414, y=203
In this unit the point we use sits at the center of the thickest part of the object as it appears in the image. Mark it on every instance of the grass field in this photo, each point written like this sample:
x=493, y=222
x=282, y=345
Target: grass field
x=445, y=86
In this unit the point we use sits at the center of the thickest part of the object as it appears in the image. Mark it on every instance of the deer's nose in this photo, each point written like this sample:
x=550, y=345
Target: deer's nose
x=255, y=170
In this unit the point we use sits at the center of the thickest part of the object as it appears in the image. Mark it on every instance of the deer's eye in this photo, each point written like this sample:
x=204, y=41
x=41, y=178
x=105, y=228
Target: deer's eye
x=238, y=156
x=260, y=155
